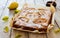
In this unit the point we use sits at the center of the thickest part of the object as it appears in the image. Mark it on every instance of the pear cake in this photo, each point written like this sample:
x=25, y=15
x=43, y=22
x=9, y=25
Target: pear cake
x=31, y=19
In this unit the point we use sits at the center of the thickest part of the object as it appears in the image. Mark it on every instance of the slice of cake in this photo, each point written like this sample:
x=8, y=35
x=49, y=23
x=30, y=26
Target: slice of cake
x=33, y=19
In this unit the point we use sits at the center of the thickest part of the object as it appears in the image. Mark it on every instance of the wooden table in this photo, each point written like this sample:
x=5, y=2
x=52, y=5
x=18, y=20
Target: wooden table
x=4, y=11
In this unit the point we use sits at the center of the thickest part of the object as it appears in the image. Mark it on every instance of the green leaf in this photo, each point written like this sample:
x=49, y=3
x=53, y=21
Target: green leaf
x=6, y=29
x=57, y=30
x=5, y=18
x=16, y=11
x=18, y=36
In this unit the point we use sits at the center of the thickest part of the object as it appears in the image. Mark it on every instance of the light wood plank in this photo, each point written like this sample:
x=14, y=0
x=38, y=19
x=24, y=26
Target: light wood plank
x=24, y=35
x=41, y=36
x=31, y=35
x=34, y=35
x=57, y=16
x=3, y=24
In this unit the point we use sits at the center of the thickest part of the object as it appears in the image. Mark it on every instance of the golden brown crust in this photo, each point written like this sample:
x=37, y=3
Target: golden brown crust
x=40, y=20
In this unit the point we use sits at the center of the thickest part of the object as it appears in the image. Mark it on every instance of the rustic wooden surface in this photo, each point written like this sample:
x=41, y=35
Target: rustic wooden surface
x=4, y=11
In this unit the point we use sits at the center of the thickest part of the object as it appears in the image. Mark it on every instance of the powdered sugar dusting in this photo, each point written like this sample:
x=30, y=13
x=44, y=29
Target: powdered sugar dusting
x=31, y=14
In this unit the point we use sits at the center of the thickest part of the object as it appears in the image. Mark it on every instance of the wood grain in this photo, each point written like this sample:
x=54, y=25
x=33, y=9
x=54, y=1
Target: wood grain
x=23, y=34
x=6, y=12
